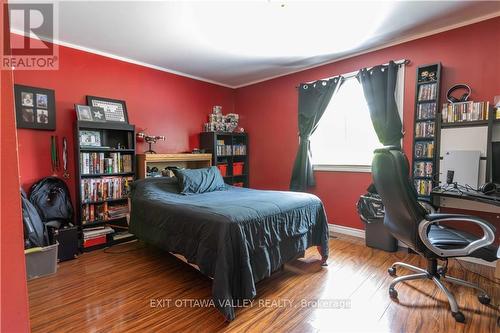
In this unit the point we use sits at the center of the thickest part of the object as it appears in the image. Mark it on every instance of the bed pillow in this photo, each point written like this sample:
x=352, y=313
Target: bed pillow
x=196, y=181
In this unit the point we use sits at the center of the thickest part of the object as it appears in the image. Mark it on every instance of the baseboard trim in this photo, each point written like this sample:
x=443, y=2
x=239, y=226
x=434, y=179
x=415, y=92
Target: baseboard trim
x=336, y=228
x=332, y=228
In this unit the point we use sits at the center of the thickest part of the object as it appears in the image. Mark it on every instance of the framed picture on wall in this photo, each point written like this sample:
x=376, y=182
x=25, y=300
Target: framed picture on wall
x=114, y=110
x=89, y=113
x=83, y=112
x=35, y=108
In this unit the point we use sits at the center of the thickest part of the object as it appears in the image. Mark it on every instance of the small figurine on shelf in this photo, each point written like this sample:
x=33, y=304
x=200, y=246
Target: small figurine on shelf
x=150, y=139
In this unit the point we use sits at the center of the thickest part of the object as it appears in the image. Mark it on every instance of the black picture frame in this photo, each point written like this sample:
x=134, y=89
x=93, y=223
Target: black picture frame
x=89, y=113
x=108, y=104
x=83, y=112
x=35, y=108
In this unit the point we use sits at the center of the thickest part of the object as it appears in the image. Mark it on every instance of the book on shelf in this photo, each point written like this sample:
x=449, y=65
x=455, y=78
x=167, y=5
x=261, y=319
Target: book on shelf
x=223, y=148
x=98, y=163
x=96, y=236
x=97, y=232
x=121, y=235
x=426, y=111
x=239, y=149
x=103, y=212
x=423, y=169
x=424, y=149
x=423, y=186
x=464, y=111
x=104, y=188
x=427, y=92
x=424, y=129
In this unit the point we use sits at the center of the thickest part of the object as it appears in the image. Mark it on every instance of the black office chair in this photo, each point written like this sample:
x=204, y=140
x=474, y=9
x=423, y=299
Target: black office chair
x=411, y=224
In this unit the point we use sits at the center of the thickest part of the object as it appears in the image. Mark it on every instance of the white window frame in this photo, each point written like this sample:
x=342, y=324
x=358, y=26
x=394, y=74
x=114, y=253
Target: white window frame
x=399, y=96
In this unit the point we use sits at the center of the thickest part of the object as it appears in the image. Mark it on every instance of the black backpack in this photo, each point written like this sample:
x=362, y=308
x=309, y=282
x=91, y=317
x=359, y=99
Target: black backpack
x=51, y=198
x=35, y=234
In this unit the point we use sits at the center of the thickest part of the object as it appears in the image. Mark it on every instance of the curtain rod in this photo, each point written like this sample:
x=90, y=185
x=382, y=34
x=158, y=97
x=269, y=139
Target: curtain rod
x=354, y=73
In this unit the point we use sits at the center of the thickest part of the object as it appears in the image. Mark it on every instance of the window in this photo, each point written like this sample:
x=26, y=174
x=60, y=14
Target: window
x=345, y=138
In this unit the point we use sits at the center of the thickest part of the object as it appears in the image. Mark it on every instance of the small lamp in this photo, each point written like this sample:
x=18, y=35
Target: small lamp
x=150, y=139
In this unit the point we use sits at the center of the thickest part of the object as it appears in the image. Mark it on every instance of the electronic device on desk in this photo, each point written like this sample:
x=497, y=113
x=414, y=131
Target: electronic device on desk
x=488, y=188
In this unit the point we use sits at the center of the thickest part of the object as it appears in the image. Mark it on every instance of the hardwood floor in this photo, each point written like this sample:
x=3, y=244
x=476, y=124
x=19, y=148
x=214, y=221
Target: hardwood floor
x=127, y=288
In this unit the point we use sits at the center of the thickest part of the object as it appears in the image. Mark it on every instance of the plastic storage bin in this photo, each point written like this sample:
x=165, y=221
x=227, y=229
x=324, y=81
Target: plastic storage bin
x=41, y=261
x=238, y=168
x=223, y=169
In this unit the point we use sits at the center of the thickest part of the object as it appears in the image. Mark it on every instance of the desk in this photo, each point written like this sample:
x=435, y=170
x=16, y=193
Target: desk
x=466, y=200
x=471, y=201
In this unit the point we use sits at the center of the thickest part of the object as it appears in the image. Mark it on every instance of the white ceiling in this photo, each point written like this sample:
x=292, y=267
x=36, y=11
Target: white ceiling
x=238, y=43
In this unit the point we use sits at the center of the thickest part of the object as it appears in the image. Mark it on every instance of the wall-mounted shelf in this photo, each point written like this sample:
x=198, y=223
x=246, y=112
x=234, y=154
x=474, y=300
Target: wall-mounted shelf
x=465, y=124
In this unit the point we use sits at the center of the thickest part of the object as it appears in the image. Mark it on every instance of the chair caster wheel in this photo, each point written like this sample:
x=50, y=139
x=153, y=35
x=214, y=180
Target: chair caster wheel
x=393, y=293
x=484, y=299
x=391, y=271
x=459, y=316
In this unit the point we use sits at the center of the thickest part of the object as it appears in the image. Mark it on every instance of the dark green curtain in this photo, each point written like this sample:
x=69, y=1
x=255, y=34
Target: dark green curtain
x=379, y=84
x=313, y=100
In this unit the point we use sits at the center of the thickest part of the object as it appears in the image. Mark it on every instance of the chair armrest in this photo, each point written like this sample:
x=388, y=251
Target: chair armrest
x=427, y=206
x=487, y=239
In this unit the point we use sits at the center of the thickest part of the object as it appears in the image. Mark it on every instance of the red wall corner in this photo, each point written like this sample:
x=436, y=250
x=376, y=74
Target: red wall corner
x=268, y=110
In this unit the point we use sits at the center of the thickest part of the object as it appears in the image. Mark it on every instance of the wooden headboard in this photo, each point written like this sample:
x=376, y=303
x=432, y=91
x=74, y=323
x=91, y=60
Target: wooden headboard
x=161, y=161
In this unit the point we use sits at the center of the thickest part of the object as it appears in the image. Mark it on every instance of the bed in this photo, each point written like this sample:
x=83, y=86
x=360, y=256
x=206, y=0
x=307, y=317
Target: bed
x=236, y=236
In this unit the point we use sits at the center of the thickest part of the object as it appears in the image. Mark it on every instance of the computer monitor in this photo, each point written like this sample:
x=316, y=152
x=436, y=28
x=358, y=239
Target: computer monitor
x=495, y=162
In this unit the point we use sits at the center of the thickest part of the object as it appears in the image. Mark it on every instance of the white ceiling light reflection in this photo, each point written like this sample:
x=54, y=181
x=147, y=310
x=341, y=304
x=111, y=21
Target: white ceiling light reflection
x=296, y=29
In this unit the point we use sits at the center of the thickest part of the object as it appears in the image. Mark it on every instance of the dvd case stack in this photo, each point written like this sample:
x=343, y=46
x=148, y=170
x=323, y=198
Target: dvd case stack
x=239, y=149
x=426, y=111
x=424, y=149
x=103, y=212
x=423, y=169
x=427, y=92
x=223, y=149
x=106, y=188
x=424, y=129
x=464, y=111
x=423, y=187
x=98, y=163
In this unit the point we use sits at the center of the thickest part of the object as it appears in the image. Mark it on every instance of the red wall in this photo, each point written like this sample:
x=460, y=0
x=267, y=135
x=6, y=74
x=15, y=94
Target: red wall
x=269, y=109
x=164, y=103
x=176, y=106
x=13, y=290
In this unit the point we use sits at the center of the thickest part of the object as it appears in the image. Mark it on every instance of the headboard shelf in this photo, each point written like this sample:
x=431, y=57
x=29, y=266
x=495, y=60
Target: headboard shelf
x=161, y=161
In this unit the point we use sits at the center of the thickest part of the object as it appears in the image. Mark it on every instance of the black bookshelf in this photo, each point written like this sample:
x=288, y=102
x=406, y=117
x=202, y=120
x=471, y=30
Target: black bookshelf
x=114, y=138
x=425, y=152
x=220, y=157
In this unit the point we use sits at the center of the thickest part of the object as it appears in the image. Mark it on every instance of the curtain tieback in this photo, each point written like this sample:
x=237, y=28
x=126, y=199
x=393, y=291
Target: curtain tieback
x=305, y=137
